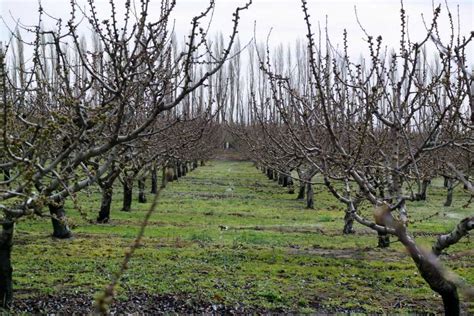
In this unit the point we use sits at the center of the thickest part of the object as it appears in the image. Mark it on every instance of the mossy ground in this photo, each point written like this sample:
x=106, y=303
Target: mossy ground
x=226, y=234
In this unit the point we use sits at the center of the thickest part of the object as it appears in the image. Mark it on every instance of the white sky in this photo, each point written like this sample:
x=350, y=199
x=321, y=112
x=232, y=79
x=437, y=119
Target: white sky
x=379, y=17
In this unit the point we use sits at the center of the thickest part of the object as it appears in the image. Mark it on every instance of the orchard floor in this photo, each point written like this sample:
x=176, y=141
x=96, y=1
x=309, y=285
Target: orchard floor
x=226, y=239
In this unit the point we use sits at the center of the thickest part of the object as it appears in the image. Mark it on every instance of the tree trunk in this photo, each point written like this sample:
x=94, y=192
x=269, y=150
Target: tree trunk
x=291, y=187
x=154, y=180
x=348, y=222
x=164, y=177
x=432, y=273
x=6, y=284
x=141, y=191
x=424, y=188
x=270, y=174
x=309, y=196
x=280, y=179
x=275, y=175
x=185, y=169
x=58, y=219
x=127, y=194
x=301, y=191
x=104, y=213
x=449, y=196
x=285, y=181
x=446, y=181
x=175, y=173
x=384, y=240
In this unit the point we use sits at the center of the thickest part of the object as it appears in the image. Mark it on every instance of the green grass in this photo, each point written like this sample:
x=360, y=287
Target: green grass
x=226, y=234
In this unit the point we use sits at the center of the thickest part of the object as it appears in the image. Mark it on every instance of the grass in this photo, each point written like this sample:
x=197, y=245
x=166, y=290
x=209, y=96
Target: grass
x=226, y=234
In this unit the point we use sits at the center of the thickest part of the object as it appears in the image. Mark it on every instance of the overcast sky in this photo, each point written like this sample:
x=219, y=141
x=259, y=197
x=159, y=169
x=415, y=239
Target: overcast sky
x=379, y=17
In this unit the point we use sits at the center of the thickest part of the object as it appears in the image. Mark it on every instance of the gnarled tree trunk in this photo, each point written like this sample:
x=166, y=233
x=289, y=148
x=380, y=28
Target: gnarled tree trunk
x=58, y=219
x=349, y=221
x=433, y=273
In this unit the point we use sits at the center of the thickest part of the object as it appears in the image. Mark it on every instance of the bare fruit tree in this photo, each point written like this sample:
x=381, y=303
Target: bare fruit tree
x=67, y=113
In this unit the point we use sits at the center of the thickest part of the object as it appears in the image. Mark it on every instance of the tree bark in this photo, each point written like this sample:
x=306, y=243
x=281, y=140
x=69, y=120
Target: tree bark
x=433, y=273
x=104, y=213
x=270, y=174
x=309, y=196
x=424, y=188
x=154, y=180
x=164, y=177
x=291, y=187
x=348, y=222
x=58, y=219
x=384, y=240
x=461, y=230
x=127, y=194
x=449, y=196
x=175, y=173
x=141, y=191
x=301, y=191
x=6, y=283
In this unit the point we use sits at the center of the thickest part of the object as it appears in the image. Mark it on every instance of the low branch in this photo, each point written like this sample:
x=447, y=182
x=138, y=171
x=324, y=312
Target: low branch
x=461, y=230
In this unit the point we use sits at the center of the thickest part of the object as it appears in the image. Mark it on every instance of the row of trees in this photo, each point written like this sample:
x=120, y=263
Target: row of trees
x=375, y=130
x=78, y=113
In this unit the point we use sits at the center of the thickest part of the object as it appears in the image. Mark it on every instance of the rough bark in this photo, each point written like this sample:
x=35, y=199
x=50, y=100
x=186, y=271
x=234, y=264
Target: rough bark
x=449, y=195
x=461, y=230
x=424, y=189
x=301, y=191
x=107, y=188
x=432, y=273
x=154, y=180
x=270, y=174
x=164, y=177
x=141, y=191
x=291, y=187
x=383, y=240
x=176, y=172
x=58, y=219
x=6, y=284
x=349, y=221
x=104, y=213
x=127, y=194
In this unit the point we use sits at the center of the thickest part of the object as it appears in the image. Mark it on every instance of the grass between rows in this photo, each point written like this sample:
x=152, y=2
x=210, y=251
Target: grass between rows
x=226, y=234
